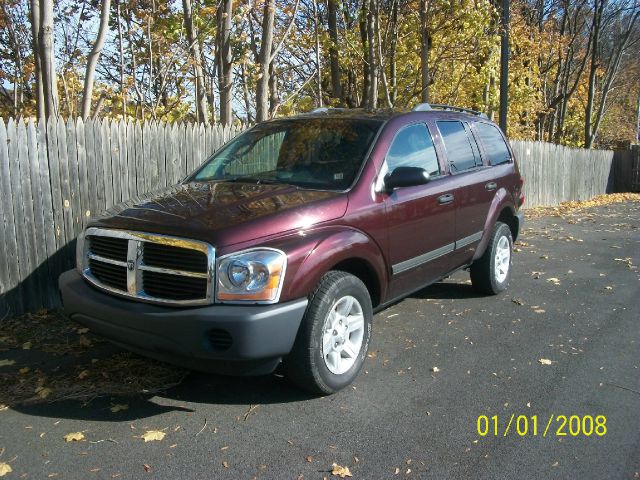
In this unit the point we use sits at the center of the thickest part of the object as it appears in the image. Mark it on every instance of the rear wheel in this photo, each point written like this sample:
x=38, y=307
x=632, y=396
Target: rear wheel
x=490, y=273
x=333, y=339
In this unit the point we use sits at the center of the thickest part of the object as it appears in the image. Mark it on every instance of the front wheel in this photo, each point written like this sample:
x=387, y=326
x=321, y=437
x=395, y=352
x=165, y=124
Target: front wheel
x=490, y=273
x=333, y=339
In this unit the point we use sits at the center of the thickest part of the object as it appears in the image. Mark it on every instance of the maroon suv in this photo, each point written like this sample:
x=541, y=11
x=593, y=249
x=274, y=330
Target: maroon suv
x=281, y=246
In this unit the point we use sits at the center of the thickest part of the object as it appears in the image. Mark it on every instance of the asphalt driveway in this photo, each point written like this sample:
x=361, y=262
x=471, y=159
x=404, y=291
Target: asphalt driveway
x=563, y=340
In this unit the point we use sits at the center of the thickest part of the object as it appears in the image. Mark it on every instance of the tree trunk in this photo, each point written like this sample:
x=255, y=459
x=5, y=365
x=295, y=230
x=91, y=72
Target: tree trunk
x=319, y=52
x=224, y=59
x=123, y=90
x=425, y=44
x=35, y=34
x=334, y=55
x=194, y=51
x=371, y=101
x=588, y=111
x=94, y=56
x=393, y=75
x=47, y=59
x=362, y=23
x=264, y=60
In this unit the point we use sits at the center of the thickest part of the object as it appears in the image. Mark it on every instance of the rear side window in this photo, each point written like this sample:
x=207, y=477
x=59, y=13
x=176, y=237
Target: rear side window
x=460, y=151
x=494, y=144
x=413, y=147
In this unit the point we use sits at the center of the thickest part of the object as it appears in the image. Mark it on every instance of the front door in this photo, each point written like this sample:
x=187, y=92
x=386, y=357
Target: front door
x=421, y=219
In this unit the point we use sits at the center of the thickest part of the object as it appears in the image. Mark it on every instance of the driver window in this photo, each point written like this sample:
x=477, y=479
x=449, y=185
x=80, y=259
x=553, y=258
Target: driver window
x=413, y=147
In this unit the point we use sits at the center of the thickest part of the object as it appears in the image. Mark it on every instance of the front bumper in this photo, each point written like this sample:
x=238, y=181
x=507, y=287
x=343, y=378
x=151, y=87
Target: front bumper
x=227, y=339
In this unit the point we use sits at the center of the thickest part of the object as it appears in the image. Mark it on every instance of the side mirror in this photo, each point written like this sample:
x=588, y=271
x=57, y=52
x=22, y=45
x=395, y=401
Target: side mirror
x=405, y=177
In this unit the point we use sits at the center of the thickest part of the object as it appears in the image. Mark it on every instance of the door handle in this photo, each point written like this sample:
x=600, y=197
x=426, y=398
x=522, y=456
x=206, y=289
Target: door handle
x=446, y=198
x=491, y=185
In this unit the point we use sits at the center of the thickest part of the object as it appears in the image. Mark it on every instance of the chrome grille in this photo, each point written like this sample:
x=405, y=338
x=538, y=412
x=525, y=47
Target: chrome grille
x=149, y=267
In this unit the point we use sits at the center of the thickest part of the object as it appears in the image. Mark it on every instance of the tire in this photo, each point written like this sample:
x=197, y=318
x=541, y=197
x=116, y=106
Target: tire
x=337, y=322
x=485, y=277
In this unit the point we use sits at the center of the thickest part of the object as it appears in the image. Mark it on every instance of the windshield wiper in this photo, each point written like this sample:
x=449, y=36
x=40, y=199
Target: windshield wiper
x=252, y=179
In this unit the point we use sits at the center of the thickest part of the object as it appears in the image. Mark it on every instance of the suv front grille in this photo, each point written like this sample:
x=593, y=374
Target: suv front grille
x=149, y=267
x=166, y=256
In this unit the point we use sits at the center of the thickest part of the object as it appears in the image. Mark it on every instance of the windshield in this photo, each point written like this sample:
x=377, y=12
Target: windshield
x=317, y=153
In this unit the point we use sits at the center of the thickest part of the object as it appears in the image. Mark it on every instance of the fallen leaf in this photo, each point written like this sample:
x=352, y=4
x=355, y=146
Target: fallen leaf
x=435, y=369
x=26, y=346
x=118, y=407
x=545, y=361
x=3, y=407
x=43, y=392
x=341, y=472
x=6, y=363
x=225, y=464
x=608, y=287
x=147, y=468
x=4, y=469
x=539, y=310
x=83, y=374
x=84, y=341
x=555, y=464
x=82, y=330
x=397, y=471
x=74, y=437
x=153, y=435
x=24, y=370
x=309, y=459
x=554, y=280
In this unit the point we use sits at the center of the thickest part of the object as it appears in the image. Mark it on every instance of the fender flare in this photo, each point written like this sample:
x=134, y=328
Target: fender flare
x=333, y=248
x=501, y=200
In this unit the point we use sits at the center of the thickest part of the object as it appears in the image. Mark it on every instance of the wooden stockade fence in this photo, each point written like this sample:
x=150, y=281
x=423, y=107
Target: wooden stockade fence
x=554, y=173
x=55, y=176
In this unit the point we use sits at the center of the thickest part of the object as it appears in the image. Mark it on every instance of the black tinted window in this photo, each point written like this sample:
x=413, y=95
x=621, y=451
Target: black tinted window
x=494, y=144
x=413, y=147
x=458, y=146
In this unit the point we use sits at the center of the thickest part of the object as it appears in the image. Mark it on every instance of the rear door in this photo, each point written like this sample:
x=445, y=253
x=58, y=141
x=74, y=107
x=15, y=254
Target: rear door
x=420, y=219
x=475, y=187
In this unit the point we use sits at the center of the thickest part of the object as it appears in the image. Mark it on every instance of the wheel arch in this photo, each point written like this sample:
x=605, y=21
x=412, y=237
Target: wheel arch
x=346, y=250
x=502, y=210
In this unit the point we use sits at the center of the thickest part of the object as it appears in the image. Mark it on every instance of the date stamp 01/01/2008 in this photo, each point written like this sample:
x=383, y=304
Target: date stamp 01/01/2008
x=533, y=426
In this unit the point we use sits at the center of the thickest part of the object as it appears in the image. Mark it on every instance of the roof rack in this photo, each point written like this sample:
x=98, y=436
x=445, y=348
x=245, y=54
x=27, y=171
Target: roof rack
x=424, y=107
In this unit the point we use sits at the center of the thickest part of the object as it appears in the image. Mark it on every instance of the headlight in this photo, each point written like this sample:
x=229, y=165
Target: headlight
x=80, y=253
x=253, y=275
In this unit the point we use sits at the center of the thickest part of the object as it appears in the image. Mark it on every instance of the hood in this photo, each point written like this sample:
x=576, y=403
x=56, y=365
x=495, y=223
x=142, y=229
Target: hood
x=225, y=213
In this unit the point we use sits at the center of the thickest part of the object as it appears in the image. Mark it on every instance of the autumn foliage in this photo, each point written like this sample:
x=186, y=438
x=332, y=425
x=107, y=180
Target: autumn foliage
x=573, y=78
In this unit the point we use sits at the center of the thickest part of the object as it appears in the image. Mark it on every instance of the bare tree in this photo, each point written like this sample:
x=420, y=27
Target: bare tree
x=334, y=55
x=316, y=22
x=618, y=41
x=425, y=45
x=94, y=56
x=35, y=32
x=371, y=99
x=264, y=61
x=225, y=60
x=47, y=61
x=196, y=58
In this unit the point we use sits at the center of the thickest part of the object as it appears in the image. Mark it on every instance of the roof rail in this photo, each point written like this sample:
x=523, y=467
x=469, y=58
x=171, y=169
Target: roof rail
x=325, y=110
x=422, y=107
x=453, y=108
